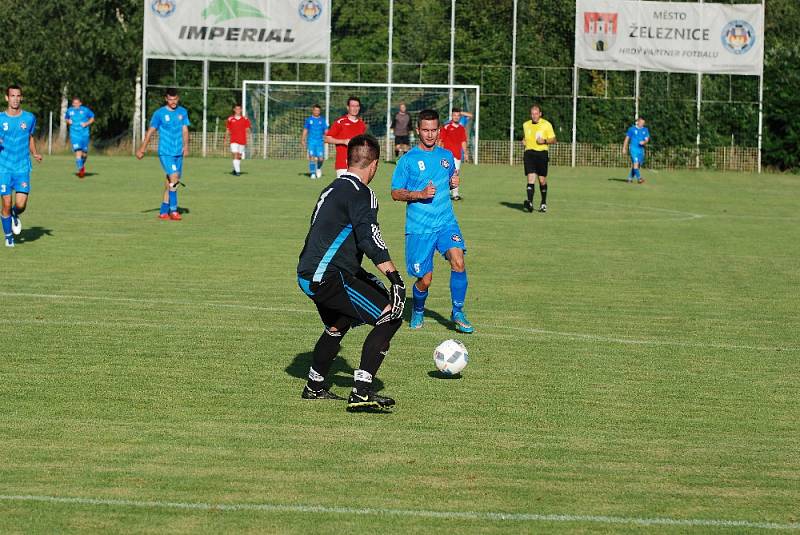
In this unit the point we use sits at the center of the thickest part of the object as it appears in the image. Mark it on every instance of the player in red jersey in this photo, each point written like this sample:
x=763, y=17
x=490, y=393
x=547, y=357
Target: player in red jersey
x=453, y=137
x=343, y=130
x=238, y=128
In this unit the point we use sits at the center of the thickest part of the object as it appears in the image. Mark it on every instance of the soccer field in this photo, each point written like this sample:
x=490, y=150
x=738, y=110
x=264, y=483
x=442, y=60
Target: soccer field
x=635, y=364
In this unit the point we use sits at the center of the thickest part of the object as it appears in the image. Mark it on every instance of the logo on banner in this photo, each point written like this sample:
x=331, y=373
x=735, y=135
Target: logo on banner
x=224, y=10
x=738, y=36
x=600, y=30
x=310, y=10
x=163, y=8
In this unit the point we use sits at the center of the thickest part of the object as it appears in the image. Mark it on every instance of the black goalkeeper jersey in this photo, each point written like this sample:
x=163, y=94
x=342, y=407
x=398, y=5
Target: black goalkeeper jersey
x=344, y=227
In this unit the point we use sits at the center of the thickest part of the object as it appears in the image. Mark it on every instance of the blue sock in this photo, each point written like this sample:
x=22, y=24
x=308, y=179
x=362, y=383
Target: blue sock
x=637, y=174
x=78, y=164
x=173, y=201
x=319, y=164
x=6, y=226
x=419, y=298
x=458, y=289
x=164, y=208
x=632, y=173
x=311, y=168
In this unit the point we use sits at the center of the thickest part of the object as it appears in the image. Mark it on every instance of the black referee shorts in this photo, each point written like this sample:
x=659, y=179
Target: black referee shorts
x=401, y=140
x=536, y=162
x=346, y=299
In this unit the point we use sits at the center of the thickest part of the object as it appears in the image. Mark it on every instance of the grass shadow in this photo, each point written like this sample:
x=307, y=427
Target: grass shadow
x=33, y=234
x=618, y=180
x=341, y=374
x=432, y=314
x=181, y=210
x=514, y=206
x=436, y=374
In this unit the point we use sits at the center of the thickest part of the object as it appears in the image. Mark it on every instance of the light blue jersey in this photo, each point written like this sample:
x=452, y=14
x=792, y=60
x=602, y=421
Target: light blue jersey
x=15, y=133
x=414, y=171
x=637, y=136
x=78, y=116
x=316, y=127
x=169, y=124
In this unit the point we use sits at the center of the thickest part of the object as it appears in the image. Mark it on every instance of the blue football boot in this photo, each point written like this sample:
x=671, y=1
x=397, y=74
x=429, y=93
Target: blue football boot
x=462, y=323
x=417, y=318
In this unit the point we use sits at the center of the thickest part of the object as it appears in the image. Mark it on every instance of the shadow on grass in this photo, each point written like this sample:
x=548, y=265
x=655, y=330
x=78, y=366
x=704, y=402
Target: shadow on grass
x=618, y=180
x=341, y=374
x=436, y=374
x=514, y=206
x=181, y=210
x=430, y=314
x=33, y=234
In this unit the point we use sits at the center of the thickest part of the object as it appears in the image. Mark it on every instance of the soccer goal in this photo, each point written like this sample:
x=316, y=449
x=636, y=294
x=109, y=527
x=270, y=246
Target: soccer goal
x=278, y=109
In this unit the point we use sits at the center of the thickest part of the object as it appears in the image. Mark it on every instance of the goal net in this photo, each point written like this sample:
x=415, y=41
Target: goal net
x=278, y=109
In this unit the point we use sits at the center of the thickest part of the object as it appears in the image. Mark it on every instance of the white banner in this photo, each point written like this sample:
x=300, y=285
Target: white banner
x=241, y=30
x=669, y=36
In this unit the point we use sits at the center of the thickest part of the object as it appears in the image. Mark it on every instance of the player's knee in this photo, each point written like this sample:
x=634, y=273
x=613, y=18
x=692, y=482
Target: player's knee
x=424, y=282
x=173, y=184
x=457, y=263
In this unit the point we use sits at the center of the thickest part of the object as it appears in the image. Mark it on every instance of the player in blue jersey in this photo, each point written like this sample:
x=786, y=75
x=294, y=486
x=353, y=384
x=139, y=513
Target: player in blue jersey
x=172, y=123
x=79, y=118
x=313, y=132
x=16, y=135
x=636, y=138
x=423, y=179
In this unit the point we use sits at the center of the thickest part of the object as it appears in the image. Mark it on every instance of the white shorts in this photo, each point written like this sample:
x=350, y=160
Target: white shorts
x=340, y=172
x=235, y=147
x=458, y=164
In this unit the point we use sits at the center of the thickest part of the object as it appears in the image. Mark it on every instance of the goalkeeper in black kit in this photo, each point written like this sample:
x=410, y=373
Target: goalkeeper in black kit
x=344, y=228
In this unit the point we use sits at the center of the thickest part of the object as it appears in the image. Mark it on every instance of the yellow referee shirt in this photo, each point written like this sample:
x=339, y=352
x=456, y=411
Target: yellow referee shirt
x=543, y=129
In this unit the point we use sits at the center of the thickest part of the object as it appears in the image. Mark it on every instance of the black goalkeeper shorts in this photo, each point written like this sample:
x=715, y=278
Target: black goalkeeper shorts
x=344, y=299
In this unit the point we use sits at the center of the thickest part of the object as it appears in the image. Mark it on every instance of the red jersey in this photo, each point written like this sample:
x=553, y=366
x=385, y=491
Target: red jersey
x=453, y=135
x=238, y=129
x=344, y=128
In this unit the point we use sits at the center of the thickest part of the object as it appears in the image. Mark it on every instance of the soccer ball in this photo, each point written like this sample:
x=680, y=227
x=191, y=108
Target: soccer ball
x=450, y=357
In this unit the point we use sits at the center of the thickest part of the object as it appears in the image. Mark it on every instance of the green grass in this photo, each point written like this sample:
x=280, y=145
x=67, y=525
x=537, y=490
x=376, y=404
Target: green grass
x=637, y=355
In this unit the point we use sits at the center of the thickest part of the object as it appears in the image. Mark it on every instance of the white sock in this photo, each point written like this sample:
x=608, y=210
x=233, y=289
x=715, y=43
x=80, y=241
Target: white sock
x=454, y=192
x=237, y=165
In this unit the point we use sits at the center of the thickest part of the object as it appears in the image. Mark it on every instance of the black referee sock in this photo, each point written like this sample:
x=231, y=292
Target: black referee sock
x=543, y=191
x=530, y=191
x=324, y=352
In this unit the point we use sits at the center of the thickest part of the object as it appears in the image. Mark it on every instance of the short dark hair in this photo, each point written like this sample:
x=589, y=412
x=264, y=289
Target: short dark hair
x=350, y=99
x=13, y=86
x=76, y=97
x=428, y=115
x=537, y=106
x=316, y=106
x=362, y=151
x=237, y=105
x=457, y=110
x=171, y=92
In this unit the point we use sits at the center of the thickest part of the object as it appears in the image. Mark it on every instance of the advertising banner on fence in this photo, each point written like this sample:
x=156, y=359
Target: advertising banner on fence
x=669, y=36
x=241, y=30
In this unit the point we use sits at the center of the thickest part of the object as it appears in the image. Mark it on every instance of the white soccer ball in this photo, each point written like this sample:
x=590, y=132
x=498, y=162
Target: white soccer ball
x=450, y=357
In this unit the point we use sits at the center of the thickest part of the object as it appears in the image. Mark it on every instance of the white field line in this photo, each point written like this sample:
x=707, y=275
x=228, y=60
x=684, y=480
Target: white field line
x=311, y=311
x=366, y=511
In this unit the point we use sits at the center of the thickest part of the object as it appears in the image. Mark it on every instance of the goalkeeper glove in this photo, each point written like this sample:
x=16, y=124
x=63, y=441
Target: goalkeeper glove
x=397, y=294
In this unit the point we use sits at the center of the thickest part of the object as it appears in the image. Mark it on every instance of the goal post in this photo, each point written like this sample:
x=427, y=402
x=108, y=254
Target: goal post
x=277, y=110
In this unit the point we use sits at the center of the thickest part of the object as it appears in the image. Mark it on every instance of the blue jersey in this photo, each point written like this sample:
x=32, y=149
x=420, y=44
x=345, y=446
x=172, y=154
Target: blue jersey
x=78, y=115
x=15, y=133
x=316, y=127
x=169, y=124
x=414, y=170
x=637, y=135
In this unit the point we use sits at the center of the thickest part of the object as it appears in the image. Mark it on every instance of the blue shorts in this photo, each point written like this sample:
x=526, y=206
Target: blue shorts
x=637, y=156
x=171, y=164
x=19, y=182
x=420, y=248
x=316, y=150
x=80, y=144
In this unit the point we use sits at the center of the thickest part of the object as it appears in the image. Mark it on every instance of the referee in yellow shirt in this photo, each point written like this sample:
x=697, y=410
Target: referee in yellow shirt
x=539, y=135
